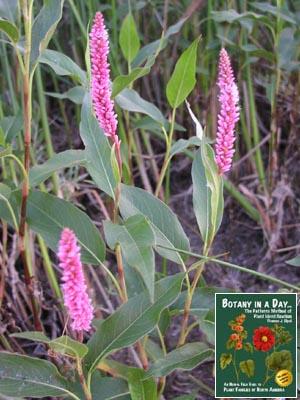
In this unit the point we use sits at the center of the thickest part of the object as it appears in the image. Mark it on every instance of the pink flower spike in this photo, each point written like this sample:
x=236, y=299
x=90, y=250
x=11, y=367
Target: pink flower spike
x=75, y=296
x=228, y=115
x=100, y=83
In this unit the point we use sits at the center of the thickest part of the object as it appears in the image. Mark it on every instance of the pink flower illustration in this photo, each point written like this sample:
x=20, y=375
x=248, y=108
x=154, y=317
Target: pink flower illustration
x=100, y=83
x=75, y=295
x=228, y=115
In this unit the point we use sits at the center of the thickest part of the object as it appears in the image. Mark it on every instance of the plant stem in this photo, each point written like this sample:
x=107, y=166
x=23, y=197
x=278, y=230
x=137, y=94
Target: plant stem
x=169, y=140
x=237, y=267
x=188, y=302
x=3, y=261
x=86, y=390
x=45, y=124
x=27, y=98
x=234, y=365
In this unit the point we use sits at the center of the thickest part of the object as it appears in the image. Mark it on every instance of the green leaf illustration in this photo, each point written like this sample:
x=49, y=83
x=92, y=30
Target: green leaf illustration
x=248, y=347
x=225, y=360
x=247, y=367
x=284, y=337
x=230, y=344
x=279, y=360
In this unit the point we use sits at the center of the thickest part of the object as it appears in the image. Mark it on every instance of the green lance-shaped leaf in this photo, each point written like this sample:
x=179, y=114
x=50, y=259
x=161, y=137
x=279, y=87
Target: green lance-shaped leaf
x=132, y=320
x=186, y=357
x=295, y=262
x=182, y=144
x=9, y=10
x=10, y=204
x=225, y=360
x=140, y=387
x=63, y=65
x=43, y=27
x=130, y=100
x=248, y=367
x=97, y=150
x=136, y=240
x=164, y=223
x=279, y=360
x=63, y=344
x=75, y=94
x=129, y=38
x=66, y=345
x=150, y=49
x=207, y=193
x=10, y=30
x=48, y=215
x=183, y=79
x=65, y=159
x=11, y=126
x=123, y=81
x=109, y=388
x=22, y=376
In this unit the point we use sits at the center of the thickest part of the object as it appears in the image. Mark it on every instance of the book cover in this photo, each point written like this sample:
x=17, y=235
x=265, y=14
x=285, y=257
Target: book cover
x=256, y=345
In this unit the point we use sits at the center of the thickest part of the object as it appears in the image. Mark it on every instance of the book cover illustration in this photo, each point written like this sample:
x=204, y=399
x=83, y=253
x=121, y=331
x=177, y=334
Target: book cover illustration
x=256, y=345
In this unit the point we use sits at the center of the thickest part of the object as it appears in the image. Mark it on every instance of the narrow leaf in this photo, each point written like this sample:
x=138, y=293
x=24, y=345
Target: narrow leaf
x=129, y=38
x=97, y=150
x=11, y=126
x=132, y=320
x=137, y=201
x=68, y=346
x=186, y=357
x=130, y=100
x=141, y=388
x=65, y=159
x=110, y=388
x=207, y=193
x=62, y=344
x=9, y=10
x=24, y=376
x=183, y=79
x=10, y=204
x=44, y=26
x=48, y=215
x=295, y=262
x=151, y=48
x=35, y=336
x=75, y=94
x=121, y=82
x=63, y=65
x=136, y=240
x=183, y=144
x=10, y=30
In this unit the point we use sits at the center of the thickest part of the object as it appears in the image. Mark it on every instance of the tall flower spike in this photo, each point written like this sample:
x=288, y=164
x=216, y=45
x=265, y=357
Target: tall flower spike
x=75, y=296
x=100, y=83
x=228, y=115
